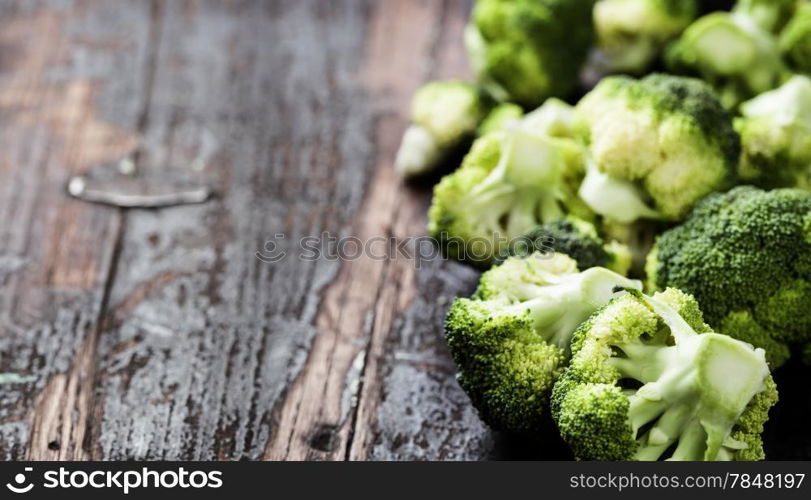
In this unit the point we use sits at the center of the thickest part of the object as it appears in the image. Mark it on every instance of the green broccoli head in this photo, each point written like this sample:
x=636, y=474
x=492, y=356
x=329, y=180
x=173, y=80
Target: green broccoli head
x=675, y=145
x=632, y=33
x=443, y=115
x=573, y=237
x=775, y=130
x=795, y=40
x=527, y=50
x=511, y=340
x=648, y=380
x=771, y=15
x=730, y=52
x=746, y=256
x=510, y=182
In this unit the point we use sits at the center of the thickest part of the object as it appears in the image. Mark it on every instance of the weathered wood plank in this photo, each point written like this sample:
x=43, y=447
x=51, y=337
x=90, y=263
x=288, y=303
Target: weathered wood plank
x=411, y=407
x=69, y=99
x=202, y=339
x=317, y=418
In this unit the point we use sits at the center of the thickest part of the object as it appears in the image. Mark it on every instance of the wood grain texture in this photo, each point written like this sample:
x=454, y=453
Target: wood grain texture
x=202, y=340
x=63, y=107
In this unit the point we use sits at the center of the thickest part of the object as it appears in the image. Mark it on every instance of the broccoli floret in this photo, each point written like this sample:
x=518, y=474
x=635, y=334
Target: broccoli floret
x=771, y=15
x=746, y=256
x=510, y=182
x=658, y=145
x=648, y=380
x=775, y=130
x=502, y=117
x=795, y=40
x=632, y=33
x=573, y=237
x=730, y=52
x=527, y=50
x=443, y=115
x=511, y=340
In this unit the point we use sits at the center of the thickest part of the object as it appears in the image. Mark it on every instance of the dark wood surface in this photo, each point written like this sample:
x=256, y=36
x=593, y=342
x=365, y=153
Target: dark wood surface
x=159, y=334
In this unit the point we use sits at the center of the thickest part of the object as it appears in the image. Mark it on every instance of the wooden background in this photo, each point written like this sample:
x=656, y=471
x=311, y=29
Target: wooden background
x=158, y=334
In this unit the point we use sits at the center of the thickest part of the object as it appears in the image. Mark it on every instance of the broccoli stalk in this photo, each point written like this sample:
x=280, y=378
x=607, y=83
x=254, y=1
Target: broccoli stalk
x=731, y=52
x=444, y=114
x=502, y=117
x=775, y=129
x=510, y=182
x=648, y=380
x=617, y=199
x=795, y=40
x=511, y=340
x=687, y=394
x=632, y=33
x=770, y=15
x=522, y=189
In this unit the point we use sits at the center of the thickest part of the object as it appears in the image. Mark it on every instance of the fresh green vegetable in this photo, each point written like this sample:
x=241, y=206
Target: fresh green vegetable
x=775, y=129
x=502, y=117
x=511, y=181
x=746, y=256
x=657, y=145
x=771, y=15
x=648, y=380
x=795, y=40
x=731, y=52
x=632, y=33
x=444, y=114
x=525, y=51
x=511, y=340
x=576, y=238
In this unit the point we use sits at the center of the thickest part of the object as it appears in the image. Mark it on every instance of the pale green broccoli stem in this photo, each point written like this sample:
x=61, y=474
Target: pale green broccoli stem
x=632, y=33
x=775, y=129
x=686, y=390
x=444, y=114
x=523, y=189
x=616, y=199
x=505, y=116
x=771, y=15
x=795, y=40
x=560, y=307
x=786, y=105
x=419, y=152
x=735, y=55
x=554, y=118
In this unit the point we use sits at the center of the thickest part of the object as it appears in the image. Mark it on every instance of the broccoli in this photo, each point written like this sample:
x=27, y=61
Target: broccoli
x=795, y=40
x=648, y=380
x=730, y=52
x=511, y=340
x=746, y=256
x=632, y=33
x=443, y=115
x=658, y=145
x=775, y=131
x=576, y=238
x=527, y=50
x=771, y=15
x=510, y=181
x=502, y=117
